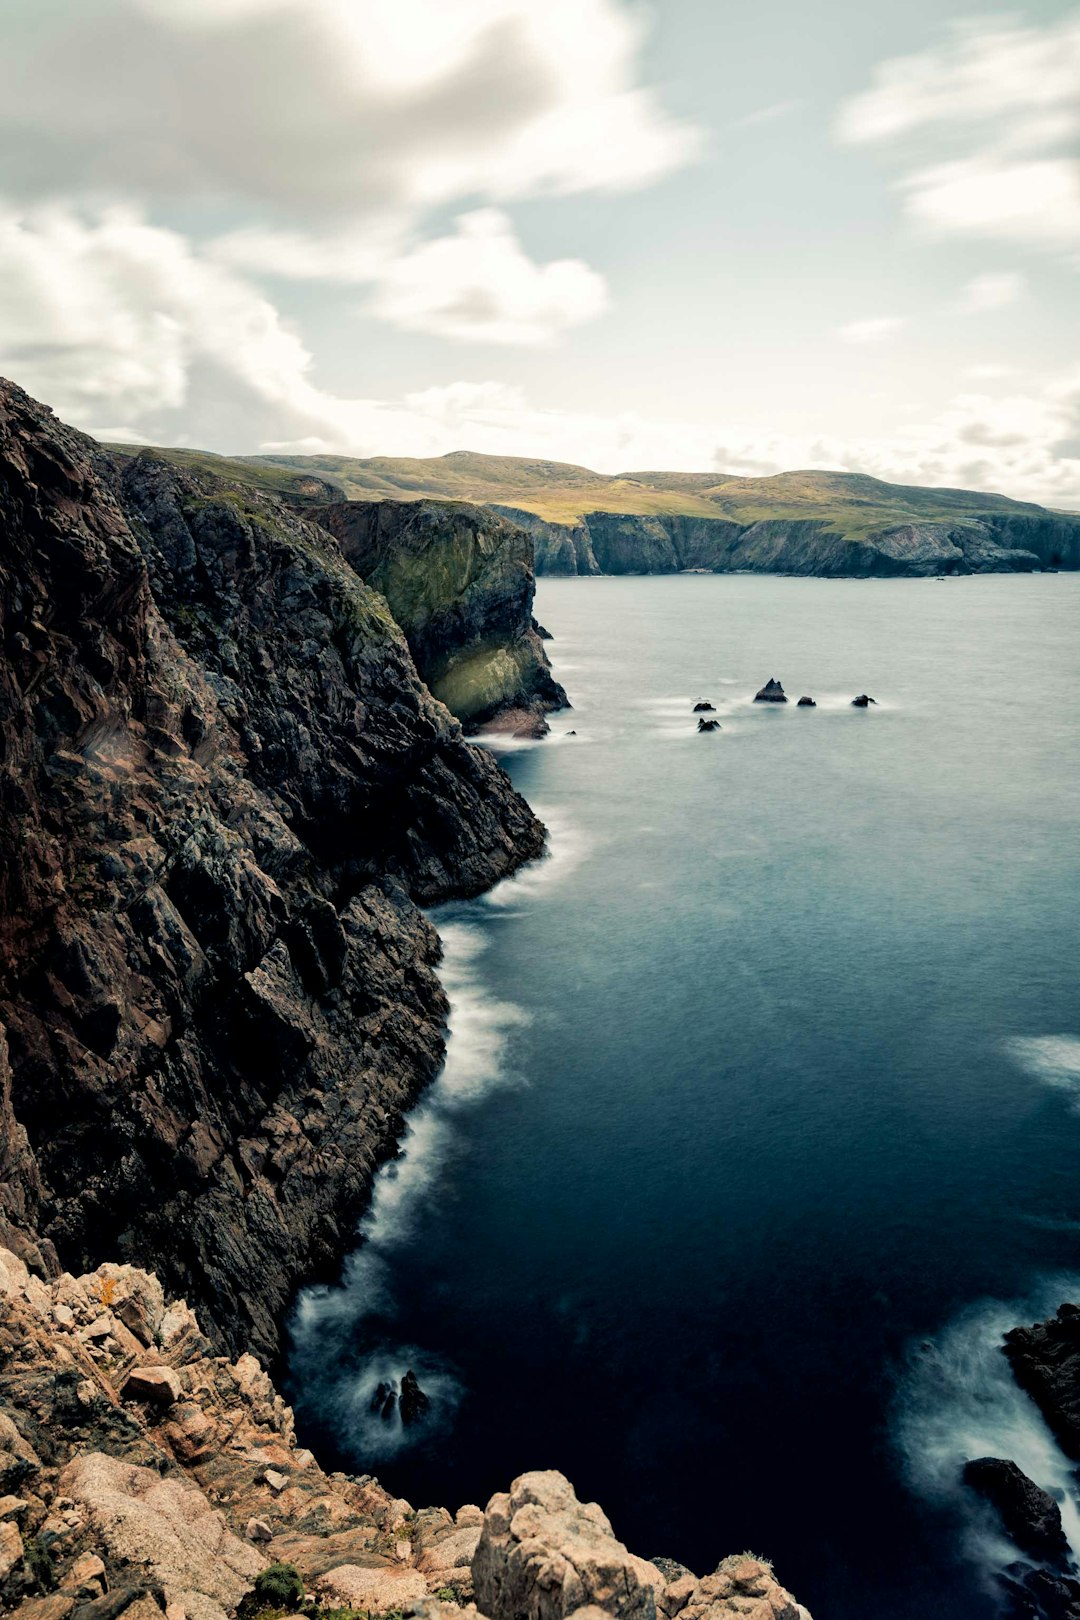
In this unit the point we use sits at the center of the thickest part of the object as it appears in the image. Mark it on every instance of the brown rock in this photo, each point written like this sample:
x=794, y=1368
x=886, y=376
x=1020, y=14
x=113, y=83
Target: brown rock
x=376, y=1590
x=159, y=1385
x=11, y=1548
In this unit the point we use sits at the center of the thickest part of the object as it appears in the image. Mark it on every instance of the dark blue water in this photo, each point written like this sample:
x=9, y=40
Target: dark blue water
x=761, y=1113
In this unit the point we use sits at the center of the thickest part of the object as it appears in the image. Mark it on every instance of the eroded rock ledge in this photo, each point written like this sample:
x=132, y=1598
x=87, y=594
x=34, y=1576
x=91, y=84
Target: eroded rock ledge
x=140, y=1474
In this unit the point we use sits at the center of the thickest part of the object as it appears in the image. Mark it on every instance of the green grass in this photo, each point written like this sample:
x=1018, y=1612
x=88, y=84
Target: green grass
x=849, y=503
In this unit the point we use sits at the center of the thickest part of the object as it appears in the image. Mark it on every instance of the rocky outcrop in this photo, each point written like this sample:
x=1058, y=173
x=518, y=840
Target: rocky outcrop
x=459, y=581
x=130, y=1505
x=771, y=692
x=544, y=1555
x=223, y=792
x=1028, y=1513
x=1045, y=1360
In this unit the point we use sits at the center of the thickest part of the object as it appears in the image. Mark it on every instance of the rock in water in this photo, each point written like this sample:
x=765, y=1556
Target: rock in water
x=862, y=701
x=412, y=1402
x=708, y=725
x=384, y=1401
x=1045, y=1360
x=1029, y=1514
x=704, y=708
x=545, y=635
x=806, y=703
x=771, y=692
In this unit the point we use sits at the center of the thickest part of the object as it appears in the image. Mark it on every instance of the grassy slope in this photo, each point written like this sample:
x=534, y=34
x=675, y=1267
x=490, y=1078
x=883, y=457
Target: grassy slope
x=848, y=503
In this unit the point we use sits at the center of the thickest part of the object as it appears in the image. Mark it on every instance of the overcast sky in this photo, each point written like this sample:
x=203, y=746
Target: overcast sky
x=696, y=234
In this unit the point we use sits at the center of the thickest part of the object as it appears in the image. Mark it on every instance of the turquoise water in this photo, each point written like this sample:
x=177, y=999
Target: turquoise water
x=761, y=1113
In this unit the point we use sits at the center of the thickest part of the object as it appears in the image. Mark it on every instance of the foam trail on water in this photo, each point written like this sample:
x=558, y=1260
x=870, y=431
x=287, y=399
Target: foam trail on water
x=958, y=1400
x=342, y=1336
x=1053, y=1059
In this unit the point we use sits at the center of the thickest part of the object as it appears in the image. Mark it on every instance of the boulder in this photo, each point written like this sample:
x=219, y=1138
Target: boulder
x=412, y=1402
x=771, y=692
x=1029, y=1514
x=806, y=703
x=543, y=1555
x=1045, y=1360
x=704, y=708
x=160, y=1385
x=862, y=701
x=708, y=725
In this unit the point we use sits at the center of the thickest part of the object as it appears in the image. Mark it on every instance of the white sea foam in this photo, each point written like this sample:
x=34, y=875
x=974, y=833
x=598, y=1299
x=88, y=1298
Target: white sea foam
x=328, y=1319
x=958, y=1400
x=1052, y=1059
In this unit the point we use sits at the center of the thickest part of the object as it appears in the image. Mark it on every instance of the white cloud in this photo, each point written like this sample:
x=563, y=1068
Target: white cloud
x=874, y=329
x=995, y=289
x=311, y=110
x=997, y=104
x=479, y=285
x=125, y=329
x=766, y=115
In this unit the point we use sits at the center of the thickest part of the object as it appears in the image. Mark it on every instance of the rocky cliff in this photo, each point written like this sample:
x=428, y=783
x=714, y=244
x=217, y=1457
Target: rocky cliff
x=143, y=1475
x=619, y=543
x=459, y=581
x=224, y=791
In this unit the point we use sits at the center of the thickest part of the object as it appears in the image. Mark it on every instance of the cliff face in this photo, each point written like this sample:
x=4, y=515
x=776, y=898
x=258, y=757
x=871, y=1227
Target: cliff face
x=158, y=1481
x=618, y=543
x=459, y=581
x=223, y=791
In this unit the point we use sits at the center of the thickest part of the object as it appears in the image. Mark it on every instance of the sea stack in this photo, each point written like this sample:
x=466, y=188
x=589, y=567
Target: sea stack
x=862, y=701
x=806, y=703
x=771, y=692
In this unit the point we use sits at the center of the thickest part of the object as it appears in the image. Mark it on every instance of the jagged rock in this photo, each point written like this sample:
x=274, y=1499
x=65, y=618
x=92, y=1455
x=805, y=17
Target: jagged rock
x=412, y=1402
x=1030, y=1515
x=543, y=1554
x=741, y=1585
x=862, y=701
x=771, y=692
x=708, y=725
x=703, y=707
x=806, y=703
x=11, y=1548
x=546, y=635
x=1041, y=1594
x=158, y=1384
x=1045, y=1360
x=384, y=1401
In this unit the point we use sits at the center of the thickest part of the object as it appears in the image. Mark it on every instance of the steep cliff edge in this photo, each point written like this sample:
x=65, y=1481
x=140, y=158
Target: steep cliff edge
x=145, y=1476
x=223, y=791
x=459, y=581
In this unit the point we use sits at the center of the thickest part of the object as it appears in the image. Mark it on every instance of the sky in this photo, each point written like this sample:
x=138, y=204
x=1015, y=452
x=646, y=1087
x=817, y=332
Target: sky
x=694, y=235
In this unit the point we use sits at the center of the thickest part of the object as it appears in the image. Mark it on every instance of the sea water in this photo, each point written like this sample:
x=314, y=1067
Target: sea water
x=761, y=1117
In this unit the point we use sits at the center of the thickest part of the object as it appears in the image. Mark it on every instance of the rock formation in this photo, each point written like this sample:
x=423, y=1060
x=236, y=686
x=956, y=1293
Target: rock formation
x=703, y=707
x=119, y=1500
x=1029, y=1514
x=708, y=725
x=806, y=703
x=771, y=692
x=862, y=701
x=224, y=791
x=459, y=581
x=1045, y=1360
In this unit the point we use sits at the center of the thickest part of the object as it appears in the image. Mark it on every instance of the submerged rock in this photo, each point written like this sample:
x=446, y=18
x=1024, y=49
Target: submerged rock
x=806, y=703
x=862, y=701
x=704, y=708
x=708, y=725
x=1029, y=1514
x=771, y=692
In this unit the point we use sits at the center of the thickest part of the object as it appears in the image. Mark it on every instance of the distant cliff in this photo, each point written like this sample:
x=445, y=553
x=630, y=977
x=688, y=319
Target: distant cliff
x=224, y=791
x=459, y=581
x=619, y=543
